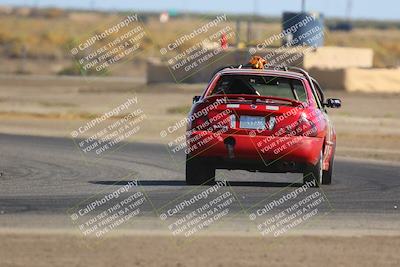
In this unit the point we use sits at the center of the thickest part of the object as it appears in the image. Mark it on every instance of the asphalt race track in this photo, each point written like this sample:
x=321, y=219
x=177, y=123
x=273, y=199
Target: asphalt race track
x=42, y=176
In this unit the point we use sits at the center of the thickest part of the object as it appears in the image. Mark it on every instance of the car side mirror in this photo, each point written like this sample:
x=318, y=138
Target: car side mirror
x=196, y=99
x=333, y=103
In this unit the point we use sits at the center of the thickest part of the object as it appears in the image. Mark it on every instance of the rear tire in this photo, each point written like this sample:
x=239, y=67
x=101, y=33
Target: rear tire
x=314, y=172
x=199, y=171
x=327, y=175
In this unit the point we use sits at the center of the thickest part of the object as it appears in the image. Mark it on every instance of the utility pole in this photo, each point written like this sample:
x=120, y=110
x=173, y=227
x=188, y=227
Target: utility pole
x=303, y=5
x=349, y=9
x=92, y=4
x=255, y=7
x=237, y=32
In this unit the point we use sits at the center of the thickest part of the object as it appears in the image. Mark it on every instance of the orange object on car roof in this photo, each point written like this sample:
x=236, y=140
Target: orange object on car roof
x=257, y=62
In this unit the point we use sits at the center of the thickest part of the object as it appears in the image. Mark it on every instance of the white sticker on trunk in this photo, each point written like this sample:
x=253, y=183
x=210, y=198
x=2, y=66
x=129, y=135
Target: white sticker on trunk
x=272, y=107
x=232, y=105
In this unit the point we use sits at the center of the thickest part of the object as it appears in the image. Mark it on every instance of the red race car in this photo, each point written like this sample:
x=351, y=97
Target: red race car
x=261, y=119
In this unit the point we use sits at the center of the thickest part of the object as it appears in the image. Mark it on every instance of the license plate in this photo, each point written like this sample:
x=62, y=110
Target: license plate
x=252, y=122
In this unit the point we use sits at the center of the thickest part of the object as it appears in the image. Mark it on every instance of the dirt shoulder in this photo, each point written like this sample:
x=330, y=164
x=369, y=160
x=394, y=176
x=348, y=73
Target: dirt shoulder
x=58, y=248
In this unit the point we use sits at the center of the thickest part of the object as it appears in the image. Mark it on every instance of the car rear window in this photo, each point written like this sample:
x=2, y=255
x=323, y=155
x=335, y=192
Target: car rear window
x=260, y=85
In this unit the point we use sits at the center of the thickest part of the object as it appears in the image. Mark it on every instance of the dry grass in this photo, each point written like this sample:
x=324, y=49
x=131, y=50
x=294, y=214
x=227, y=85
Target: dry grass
x=385, y=43
x=52, y=37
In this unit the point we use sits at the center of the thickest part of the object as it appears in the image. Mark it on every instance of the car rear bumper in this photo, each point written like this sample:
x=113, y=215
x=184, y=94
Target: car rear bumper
x=254, y=149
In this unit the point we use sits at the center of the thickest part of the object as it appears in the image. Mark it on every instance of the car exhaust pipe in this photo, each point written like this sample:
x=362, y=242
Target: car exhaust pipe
x=230, y=146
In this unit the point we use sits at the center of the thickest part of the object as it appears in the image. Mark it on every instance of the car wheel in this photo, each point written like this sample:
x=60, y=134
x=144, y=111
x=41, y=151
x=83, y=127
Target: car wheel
x=314, y=172
x=199, y=172
x=327, y=175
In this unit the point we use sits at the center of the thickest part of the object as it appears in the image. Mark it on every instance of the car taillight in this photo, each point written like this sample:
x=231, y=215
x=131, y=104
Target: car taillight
x=201, y=123
x=305, y=127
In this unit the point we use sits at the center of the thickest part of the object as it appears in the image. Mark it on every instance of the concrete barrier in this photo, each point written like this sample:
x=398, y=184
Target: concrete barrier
x=372, y=80
x=307, y=58
x=329, y=57
x=359, y=79
x=334, y=79
x=336, y=68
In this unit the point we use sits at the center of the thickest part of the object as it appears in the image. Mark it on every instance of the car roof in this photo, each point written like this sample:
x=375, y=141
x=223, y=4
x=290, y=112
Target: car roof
x=272, y=72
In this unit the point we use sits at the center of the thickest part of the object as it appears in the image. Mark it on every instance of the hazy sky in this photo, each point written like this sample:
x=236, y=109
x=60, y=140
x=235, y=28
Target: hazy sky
x=382, y=9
